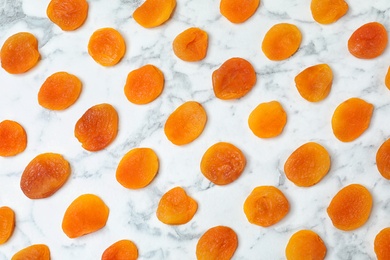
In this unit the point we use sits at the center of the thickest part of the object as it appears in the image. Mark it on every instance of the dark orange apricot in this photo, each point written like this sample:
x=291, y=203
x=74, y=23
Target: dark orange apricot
x=305, y=244
x=382, y=244
x=67, y=14
x=121, y=250
x=328, y=11
x=238, y=11
x=153, y=13
x=13, y=138
x=383, y=159
x=387, y=78
x=33, y=252
x=7, y=223
x=191, y=44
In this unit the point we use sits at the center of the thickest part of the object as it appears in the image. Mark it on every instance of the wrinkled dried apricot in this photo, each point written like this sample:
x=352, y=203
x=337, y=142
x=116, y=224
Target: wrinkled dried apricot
x=186, y=123
x=314, y=83
x=13, y=138
x=222, y=163
x=97, y=127
x=238, y=11
x=307, y=165
x=382, y=244
x=387, y=78
x=368, y=41
x=153, y=13
x=383, y=159
x=67, y=14
x=281, y=41
x=234, y=79
x=267, y=120
x=305, y=244
x=351, y=119
x=36, y=252
x=137, y=168
x=121, y=250
x=219, y=242
x=191, y=44
x=19, y=53
x=7, y=223
x=86, y=214
x=328, y=11
x=266, y=206
x=350, y=208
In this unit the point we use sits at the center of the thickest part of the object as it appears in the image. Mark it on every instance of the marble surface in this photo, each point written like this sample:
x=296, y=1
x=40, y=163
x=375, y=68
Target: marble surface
x=132, y=212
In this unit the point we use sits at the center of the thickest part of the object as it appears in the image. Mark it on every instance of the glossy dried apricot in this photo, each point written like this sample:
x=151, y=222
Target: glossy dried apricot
x=238, y=11
x=36, y=252
x=86, y=214
x=137, y=168
x=222, y=163
x=314, y=83
x=67, y=14
x=97, y=127
x=383, y=159
x=350, y=208
x=328, y=11
x=368, y=41
x=266, y=206
x=267, y=120
x=13, y=138
x=153, y=13
x=191, y=44
x=351, y=119
x=19, y=53
x=234, y=79
x=281, y=41
x=219, y=242
x=186, y=123
x=387, y=78
x=382, y=244
x=121, y=250
x=305, y=244
x=7, y=223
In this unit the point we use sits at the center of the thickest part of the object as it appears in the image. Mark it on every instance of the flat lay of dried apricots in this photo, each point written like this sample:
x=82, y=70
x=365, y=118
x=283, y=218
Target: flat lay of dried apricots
x=305, y=244
x=33, y=252
x=387, y=78
x=67, y=14
x=238, y=11
x=328, y=11
x=121, y=250
x=191, y=44
x=7, y=223
x=382, y=244
x=383, y=159
x=153, y=13
x=13, y=138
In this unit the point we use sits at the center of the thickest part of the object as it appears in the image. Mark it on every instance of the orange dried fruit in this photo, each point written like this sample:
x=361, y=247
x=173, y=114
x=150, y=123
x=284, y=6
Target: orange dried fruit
x=219, y=242
x=121, y=250
x=266, y=206
x=383, y=159
x=67, y=14
x=328, y=11
x=97, y=127
x=238, y=11
x=191, y=44
x=137, y=168
x=314, y=83
x=176, y=207
x=267, y=120
x=351, y=207
x=34, y=252
x=387, y=78
x=186, y=123
x=7, y=223
x=19, y=53
x=305, y=244
x=222, y=163
x=13, y=138
x=153, y=13
x=351, y=119
x=234, y=79
x=86, y=214
x=368, y=41
x=281, y=41
x=382, y=244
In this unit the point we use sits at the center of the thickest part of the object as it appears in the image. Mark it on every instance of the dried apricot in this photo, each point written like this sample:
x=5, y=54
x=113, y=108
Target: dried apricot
x=137, y=168
x=153, y=13
x=234, y=79
x=121, y=250
x=97, y=127
x=281, y=41
x=86, y=214
x=267, y=120
x=382, y=244
x=19, y=53
x=368, y=41
x=191, y=44
x=143, y=85
x=266, y=206
x=68, y=14
x=37, y=251
x=7, y=223
x=351, y=119
x=383, y=159
x=13, y=138
x=222, y=163
x=305, y=244
x=328, y=11
x=314, y=83
x=238, y=11
x=387, y=78
x=350, y=208
x=186, y=123
x=219, y=242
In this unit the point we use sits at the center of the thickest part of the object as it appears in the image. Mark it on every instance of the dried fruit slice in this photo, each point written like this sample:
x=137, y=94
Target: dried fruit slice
x=281, y=41
x=86, y=214
x=37, y=251
x=191, y=44
x=68, y=14
x=382, y=244
x=13, y=138
x=222, y=163
x=186, y=123
x=328, y=11
x=97, y=127
x=383, y=159
x=350, y=208
x=351, y=119
x=121, y=250
x=19, y=53
x=305, y=244
x=153, y=13
x=7, y=223
x=368, y=41
x=387, y=78
x=238, y=11
x=218, y=242
x=267, y=120
x=234, y=79
x=266, y=206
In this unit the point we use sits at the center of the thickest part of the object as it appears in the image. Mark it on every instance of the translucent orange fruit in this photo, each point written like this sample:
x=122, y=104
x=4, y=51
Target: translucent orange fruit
x=7, y=223
x=305, y=244
x=68, y=14
x=121, y=250
x=238, y=11
x=328, y=11
x=13, y=138
x=382, y=244
x=153, y=13
x=383, y=159
x=36, y=251
x=387, y=78
x=191, y=44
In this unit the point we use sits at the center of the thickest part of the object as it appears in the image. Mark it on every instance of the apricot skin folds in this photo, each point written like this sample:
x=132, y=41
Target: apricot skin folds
x=68, y=14
x=383, y=159
x=37, y=251
x=382, y=244
x=7, y=223
x=153, y=13
x=121, y=250
x=328, y=11
x=191, y=44
x=13, y=138
x=305, y=244
x=238, y=11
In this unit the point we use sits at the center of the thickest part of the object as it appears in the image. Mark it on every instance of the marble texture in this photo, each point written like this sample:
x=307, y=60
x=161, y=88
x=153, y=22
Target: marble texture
x=132, y=212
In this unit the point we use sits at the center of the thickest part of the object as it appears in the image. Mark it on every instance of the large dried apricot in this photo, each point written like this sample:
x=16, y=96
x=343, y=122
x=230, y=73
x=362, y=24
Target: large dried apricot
x=7, y=223
x=33, y=252
x=68, y=14
x=153, y=13
x=238, y=11
x=121, y=250
x=234, y=79
x=350, y=208
x=383, y=159
x=191, y=44
x=266, y=206
x=387, y=78
x=328, y=11
x=186, y=123
x=305, y=244
x=13, y=138
x=382, y=244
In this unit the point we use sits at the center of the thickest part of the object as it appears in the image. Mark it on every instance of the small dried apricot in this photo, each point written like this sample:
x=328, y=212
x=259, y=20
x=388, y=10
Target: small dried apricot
x=191, y=44
x=121, y=250
x=387, y=78
x=328, y=11
x=383, y=159
x=7, y=223
x=305, y=244
x=37, y=251
x=234, y=79
x=382, y=244
x=68, y=14
x=153, y=13
x=13, y=138
x=238, y=11
x=350, y=208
